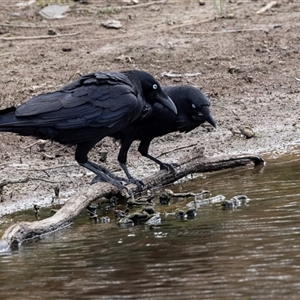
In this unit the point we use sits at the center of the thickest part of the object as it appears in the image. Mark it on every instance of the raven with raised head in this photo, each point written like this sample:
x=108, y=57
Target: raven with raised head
x=192, y=111
x=87, y=110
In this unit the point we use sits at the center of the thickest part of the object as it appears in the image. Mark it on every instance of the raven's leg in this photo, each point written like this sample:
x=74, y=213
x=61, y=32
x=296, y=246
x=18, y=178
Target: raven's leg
x=122, y=159
x=143, y=149
x=102, y=173
x=105, y=171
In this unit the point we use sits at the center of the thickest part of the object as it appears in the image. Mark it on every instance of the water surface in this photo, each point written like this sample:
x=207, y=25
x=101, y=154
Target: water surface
x=252, y=252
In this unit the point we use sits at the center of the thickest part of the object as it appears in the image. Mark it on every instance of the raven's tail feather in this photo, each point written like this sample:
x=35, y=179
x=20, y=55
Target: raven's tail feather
x=7, y=117
x=9, y=122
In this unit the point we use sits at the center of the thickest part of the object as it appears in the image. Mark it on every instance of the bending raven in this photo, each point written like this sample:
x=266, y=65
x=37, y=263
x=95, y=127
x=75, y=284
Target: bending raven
x=86, y=110
x=192, y=111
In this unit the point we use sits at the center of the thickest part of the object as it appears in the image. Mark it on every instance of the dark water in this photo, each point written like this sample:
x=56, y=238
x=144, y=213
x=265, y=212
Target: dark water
x=249, y=253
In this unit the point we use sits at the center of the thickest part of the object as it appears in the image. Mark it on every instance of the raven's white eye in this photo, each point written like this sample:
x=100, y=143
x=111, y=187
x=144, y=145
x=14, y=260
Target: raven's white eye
x=154, y=86
x=193, y=105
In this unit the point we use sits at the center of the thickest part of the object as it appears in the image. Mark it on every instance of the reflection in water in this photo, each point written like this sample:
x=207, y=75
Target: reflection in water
x=250, y=253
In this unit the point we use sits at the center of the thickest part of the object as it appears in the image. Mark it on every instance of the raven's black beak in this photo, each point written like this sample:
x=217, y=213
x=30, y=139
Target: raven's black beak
x=206, y=116
x=209, y=118
x=167, y=102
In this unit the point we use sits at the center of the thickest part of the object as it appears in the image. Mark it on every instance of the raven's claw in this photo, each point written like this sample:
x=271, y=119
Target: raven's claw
x=105, y=178
x=169, y=167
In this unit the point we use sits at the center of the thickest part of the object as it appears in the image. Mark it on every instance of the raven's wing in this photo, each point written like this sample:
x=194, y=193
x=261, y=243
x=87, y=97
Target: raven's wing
x=94, y=100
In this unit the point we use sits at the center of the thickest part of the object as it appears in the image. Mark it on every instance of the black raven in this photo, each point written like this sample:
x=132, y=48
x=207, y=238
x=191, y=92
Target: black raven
x=86, y=110
x=192, y=110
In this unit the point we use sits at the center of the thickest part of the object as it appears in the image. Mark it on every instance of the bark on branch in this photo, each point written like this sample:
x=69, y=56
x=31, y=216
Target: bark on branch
x=22, y=231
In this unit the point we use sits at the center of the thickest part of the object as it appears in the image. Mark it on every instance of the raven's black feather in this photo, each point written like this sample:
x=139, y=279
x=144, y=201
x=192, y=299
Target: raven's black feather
x=86, y=110
x=192, y=110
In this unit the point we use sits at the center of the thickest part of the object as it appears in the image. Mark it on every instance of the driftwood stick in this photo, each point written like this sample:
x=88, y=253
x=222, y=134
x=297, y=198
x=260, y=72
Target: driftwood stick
x=19, y=232
x=200, y=164
x=22, y=231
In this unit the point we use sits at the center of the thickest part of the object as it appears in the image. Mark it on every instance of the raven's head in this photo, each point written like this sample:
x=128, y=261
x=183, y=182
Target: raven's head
x=151, y=89
x=192, y=106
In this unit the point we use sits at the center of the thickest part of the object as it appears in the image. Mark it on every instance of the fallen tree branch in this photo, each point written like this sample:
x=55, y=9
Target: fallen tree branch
x=19, y=232
x=200, y=164
x=22, y=231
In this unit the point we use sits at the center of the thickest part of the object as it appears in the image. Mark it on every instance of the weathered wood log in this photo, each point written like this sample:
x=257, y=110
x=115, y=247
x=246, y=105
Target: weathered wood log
x=22, y=231
x=19, y=232
x=200, y=164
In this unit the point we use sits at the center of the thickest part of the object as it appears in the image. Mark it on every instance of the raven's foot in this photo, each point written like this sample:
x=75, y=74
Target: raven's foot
x=169, y=167
x=130, y=179
x=105, y=178
x=137, y=182
x=97, y=168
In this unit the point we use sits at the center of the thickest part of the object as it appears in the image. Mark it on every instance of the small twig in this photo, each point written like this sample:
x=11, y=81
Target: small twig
x=165, y=61
x=267, y=7
x=46, y=26
x=6, y=182
x=44, y=179
x=97, y=8
x=24, y=180
x=76, y=73
x=173, y=75
x=38, y=37
x=225, y=31
x=142, y=4
x=178, y=148
x=31, y=145
x=187, y=23
x=49, y=168
x=185, y=195
x=6, y=53
x=22, y=25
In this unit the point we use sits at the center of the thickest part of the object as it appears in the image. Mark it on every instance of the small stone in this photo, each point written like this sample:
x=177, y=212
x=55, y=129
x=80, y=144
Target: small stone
x=164, y=198
x=104, y=220
x=247, y=132
x=191, y=213
x=112, y=24
x=181, y=215
x=15, y=14
x=154, y=220
x=51, y=32
x=125, y=222
x=66, y=49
